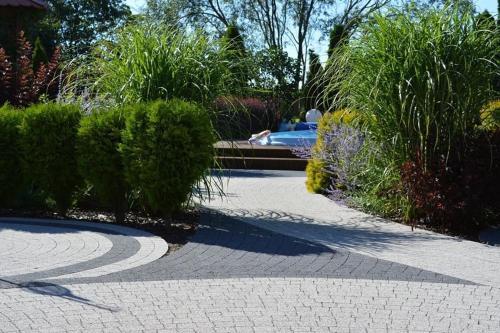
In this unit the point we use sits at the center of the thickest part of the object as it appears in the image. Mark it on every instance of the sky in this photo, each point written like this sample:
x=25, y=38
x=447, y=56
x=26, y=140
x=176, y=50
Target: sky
x=490, y=5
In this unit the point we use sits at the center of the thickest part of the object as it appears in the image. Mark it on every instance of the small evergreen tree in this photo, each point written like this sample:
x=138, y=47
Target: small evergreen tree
x=236, y=52
x=39, y=54
x=313, y=87
x=337, y=36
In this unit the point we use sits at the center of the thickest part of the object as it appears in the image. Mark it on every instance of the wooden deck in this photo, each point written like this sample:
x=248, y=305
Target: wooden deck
x=243, y=155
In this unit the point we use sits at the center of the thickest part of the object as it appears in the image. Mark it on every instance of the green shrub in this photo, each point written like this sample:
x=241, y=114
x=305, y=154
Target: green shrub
x=490, y=115
x=99, y=158
x=318, y=178
x=10, y=158
x=49, y=145
x=167, y=148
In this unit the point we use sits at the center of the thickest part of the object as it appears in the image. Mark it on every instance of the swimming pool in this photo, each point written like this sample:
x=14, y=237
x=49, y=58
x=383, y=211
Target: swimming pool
x=290, y=138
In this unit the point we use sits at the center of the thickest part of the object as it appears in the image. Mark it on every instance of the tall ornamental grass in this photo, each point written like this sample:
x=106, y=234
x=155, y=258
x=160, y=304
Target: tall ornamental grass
x=419, y=80
x=150, y=62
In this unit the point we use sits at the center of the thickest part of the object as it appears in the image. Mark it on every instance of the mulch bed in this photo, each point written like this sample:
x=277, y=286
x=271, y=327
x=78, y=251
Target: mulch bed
x=176, y=230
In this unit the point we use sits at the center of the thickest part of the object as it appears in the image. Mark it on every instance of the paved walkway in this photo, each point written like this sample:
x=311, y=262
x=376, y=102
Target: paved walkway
x=251, y=267
x=279, y=201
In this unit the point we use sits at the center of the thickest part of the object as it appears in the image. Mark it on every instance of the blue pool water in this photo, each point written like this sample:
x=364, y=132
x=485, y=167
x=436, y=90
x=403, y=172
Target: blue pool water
x=291, y=138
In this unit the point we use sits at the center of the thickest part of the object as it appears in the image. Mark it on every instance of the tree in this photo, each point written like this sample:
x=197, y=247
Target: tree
x=313, y=87
x=77, y=24
x=39, y=54
x=275, y=25
x=337, y=36
x=236, y=54
x=486, y=21
x=166, y=12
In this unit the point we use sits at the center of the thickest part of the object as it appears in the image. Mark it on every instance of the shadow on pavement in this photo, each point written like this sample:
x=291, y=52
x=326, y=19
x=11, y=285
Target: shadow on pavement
x=54, y=290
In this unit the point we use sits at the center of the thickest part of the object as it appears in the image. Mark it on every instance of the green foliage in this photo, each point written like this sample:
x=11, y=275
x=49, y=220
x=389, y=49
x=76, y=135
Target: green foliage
x=318, y=178
x=275, y=70
x=236, y=54
x=74, y=24
x=10, y=159
x=234, y=41
x=490, y=115
x=39, y=54
x=418, y=80
x=422, y=77
x=167, y=148
x=78, y=24
x=338, y=36
x=156, y=62
x=313, y=87
x=49, y=147
x=99, y=158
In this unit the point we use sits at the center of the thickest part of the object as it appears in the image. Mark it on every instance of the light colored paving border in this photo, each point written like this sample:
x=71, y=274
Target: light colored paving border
x=282, y=204
x=151, y=247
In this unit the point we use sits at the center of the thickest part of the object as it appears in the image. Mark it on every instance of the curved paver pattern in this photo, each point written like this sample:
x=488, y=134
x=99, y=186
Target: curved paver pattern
x=259, y=264
x=44, y=249
x=224, y=247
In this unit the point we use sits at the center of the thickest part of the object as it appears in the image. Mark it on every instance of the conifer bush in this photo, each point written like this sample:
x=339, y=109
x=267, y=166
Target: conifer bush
x=167, y=148
x=10, y=158
x=48, y=141
x=100, y=160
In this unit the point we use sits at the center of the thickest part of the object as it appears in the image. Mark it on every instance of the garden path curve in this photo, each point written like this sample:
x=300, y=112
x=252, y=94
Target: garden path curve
x=268, y=258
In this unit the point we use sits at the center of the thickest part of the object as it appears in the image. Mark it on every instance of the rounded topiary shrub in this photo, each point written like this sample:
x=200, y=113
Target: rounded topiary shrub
x=99, y=158
x=11, y=180
x=167, y=147
x=318, y=178
x=49, y=150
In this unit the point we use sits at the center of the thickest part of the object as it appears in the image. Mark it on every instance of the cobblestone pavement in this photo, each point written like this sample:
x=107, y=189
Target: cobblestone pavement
x=278, y=201
x=249, y=268
x=252, y=305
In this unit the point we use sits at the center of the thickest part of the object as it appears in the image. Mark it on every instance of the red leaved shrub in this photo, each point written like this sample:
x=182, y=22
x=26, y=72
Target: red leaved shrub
x=20, y=85
x=458, y=196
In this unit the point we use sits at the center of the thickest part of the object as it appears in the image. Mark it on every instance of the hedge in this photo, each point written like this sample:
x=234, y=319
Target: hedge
x=10, y=160
x=99, y=158
x=49, y=155
x=167, y=147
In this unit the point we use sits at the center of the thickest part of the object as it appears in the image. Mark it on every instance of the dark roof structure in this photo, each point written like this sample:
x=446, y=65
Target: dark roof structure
x=35, y=4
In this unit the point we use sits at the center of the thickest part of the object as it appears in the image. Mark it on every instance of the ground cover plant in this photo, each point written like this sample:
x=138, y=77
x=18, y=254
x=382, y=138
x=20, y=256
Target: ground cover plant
x=419, y=79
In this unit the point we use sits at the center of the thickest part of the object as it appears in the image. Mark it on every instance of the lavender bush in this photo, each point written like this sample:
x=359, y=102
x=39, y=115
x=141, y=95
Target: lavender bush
x=339, y=153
